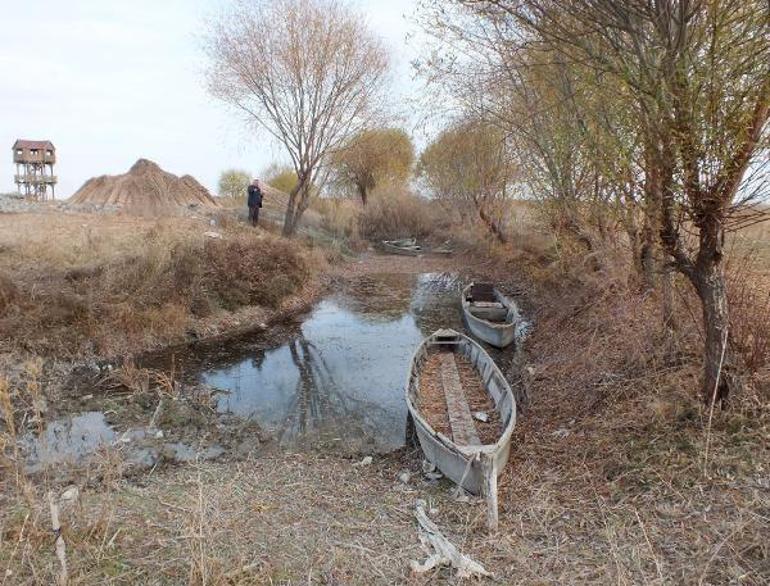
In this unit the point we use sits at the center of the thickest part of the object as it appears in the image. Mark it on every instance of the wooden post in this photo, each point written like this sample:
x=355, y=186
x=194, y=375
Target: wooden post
x=61, y=548
x=489, y=489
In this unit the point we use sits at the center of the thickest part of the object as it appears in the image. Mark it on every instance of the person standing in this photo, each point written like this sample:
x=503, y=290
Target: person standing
x=254, y=201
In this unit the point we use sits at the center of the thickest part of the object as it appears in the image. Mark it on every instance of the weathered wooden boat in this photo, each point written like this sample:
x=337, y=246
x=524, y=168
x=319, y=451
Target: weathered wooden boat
x=404, y=242
x=445, y=249
x=489, y=314
x=463, y=457
x=405, y=247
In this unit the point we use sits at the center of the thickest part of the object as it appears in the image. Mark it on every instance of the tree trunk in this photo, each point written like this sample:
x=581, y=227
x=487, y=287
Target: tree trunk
x=298, y=203
x=647, y=254
x=712, y=293
x=493, y=227
x=667, y=295
x=362, y=191
x=288, y=217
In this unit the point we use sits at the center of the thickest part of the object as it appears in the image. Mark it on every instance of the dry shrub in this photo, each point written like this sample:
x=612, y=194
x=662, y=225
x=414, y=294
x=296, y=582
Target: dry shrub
x=339, y=216
x=152, y=292
x=241, y=271
x=9, y=292
x=391, y=215
x=748, y=287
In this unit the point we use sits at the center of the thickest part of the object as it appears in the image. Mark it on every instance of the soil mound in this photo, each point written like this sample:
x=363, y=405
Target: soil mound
x=145, y=190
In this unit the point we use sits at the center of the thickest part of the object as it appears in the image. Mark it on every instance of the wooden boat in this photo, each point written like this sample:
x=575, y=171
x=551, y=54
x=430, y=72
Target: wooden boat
x=405, y=247
x=403, y=242
x=489, y=314
x=462, y=457
x=445, y=249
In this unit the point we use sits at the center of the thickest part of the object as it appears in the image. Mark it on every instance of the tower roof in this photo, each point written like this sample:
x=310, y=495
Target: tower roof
x=33, y=144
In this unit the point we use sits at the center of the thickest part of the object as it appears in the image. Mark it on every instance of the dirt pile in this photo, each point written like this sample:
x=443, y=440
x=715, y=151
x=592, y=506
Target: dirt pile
x=145, y=190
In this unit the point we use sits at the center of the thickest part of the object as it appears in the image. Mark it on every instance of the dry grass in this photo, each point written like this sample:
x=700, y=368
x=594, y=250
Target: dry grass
x=610, y=463
x=608, y=480
x=105, y=284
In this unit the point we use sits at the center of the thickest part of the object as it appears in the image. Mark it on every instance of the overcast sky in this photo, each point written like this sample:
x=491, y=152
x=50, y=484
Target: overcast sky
x=112, y=81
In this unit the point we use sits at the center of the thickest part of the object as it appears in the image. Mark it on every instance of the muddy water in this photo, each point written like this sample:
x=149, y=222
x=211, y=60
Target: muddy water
x=336, y=379
x=67, y=441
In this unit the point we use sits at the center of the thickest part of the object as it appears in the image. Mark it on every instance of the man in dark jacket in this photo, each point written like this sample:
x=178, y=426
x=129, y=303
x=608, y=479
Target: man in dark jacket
x=254, y=201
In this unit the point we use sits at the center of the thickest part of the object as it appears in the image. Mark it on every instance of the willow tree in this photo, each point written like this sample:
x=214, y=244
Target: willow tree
x=468, y=164
x=308, y=72
x=233, y=183
x=282, y=177
x=696, y=75
x=374, y=157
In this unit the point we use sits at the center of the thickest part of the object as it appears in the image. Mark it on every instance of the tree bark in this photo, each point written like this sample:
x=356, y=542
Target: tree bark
x=667, y=295
x=712, y=293
x=493, y=226
x=296, y=206
x=362, y=191
x=647, y=256
x=288, y=217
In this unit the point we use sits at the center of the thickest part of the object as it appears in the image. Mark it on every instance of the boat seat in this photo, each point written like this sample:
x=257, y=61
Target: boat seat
x=496, y=314
x=459, y=412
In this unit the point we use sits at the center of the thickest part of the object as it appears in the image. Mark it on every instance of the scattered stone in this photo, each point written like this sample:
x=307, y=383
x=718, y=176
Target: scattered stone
x=405, y=476
x=86, y=397
x=433, y=476
x=428, y=466
x=142, y=459
x=159, y=434
x=214, y=235
x=365, y=462
x=70, y=494
x=561, y=433
x=481, y=416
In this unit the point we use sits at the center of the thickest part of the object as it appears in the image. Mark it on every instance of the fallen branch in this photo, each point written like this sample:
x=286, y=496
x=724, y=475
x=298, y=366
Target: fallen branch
x=444, y=552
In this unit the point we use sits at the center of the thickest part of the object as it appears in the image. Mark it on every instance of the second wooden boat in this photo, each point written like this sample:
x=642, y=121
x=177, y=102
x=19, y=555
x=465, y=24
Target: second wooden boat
x=489, y=314
x=406, y=247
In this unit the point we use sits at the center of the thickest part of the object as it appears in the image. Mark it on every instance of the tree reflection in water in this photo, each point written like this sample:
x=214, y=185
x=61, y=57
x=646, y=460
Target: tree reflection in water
x=319, y=409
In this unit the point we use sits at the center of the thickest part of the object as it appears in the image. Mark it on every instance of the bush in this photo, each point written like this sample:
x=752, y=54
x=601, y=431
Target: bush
x=150, y=294
x=241, y=272
x=400, y=215
x=233, y=183
x=339, y=216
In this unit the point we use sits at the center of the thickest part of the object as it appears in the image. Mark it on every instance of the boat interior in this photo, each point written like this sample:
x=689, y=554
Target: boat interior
x=485, y=303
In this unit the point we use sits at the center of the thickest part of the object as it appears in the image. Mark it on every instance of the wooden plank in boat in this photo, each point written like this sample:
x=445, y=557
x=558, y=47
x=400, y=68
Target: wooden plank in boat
x=459, y=412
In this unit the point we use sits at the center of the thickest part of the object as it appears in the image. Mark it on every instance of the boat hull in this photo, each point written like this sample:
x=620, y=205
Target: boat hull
x=499, y=335
x=462, y=464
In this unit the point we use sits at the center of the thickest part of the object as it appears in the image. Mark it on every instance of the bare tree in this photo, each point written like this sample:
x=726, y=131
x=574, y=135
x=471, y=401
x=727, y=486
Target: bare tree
x=309, y=72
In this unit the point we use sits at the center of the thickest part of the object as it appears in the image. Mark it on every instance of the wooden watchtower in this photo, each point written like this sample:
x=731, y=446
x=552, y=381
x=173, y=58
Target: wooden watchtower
x=34, y=161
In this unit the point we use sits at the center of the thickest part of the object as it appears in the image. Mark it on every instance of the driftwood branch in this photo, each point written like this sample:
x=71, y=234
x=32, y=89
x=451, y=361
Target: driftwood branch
x=444, y=552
